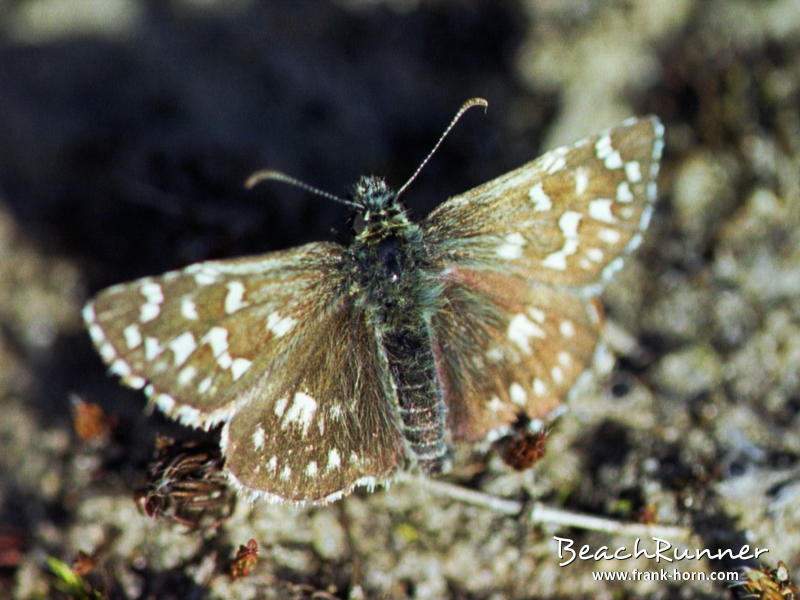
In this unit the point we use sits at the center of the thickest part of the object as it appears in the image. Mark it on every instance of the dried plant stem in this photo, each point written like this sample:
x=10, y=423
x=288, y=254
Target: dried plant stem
x=541, y=513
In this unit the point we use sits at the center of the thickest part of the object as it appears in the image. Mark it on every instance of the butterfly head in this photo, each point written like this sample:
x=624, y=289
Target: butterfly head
x=378, y=208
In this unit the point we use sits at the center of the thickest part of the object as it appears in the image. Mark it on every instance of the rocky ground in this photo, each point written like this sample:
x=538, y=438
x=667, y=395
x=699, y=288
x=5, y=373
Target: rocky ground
x=126, y=129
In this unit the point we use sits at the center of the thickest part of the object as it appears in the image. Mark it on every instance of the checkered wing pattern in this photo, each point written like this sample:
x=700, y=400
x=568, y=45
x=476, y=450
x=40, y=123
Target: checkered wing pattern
x=522, y=258
x=247, y=342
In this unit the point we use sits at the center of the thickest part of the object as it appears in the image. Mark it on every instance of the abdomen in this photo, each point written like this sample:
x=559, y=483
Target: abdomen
x=423, y=412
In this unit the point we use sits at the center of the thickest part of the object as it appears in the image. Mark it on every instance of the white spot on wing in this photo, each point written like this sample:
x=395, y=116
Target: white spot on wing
x=152, y=348
x=517, y=394
x=88, y=313
x=610, y=236
x=558, y=259
x=566, y=328
x=186, y=375
x=554, y=161
x=96, y=333
x=204, y=273
x=259, y=435
x=539, y=387
x=149, y=311
x=239, y=366
x=495, y=354
x=334, y=459
x=521, y=329
x=624, y=193
x=165, y=403
x=154, y=296
x=188, y=309
x=495, y=404
x=120, y=367
x=568, y=224
x=134, y=381
x=152, y=292
x=133, y=338
x=633, y=171
x=278, y=325
x=280, y=406
x=658, y=128
x=602, y=146
x=600, y=210
x=511, y=247
x=537, y=314
x=614, y=266
x=301, y=411
x=234, y=300
x=652, y=191
x=594, y=254
x=217, y=338
x=541, y=201
x=205, y=385
x=117, y=288
x=658, y=147
x=581, y=181
x=189, y=416
x=311, y=468
x=182, y=347
x=613, y=160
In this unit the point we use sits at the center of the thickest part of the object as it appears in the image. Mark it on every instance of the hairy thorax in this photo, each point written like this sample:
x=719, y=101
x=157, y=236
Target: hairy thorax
x=391, y=272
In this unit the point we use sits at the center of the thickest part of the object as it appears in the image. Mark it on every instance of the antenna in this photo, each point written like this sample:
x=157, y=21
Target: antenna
x=267, y=174
x=464, y=108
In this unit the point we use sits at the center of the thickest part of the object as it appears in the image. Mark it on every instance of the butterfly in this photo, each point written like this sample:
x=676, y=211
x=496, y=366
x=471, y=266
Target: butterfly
x=331, y=366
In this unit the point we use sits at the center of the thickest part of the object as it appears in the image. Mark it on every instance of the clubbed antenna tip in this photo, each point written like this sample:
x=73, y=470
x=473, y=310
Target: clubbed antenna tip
x=464, y=108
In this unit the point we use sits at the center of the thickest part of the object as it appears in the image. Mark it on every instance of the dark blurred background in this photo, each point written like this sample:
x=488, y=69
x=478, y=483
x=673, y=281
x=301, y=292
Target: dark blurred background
x=127, y=129
x=127, y=140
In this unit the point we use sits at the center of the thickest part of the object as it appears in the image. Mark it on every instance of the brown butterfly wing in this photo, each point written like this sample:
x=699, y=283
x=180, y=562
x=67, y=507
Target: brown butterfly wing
x=522, y=258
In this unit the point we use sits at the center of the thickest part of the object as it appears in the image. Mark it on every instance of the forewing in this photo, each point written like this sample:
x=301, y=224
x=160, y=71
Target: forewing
x=272, y=344
x=566, y=218
x=198, y=339
x=521, y=258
